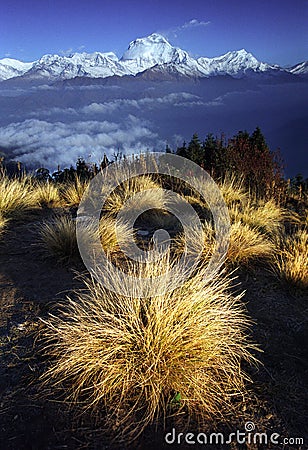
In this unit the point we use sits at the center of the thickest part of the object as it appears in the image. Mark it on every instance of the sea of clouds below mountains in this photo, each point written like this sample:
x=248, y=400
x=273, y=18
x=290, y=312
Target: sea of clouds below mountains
x=50, y=125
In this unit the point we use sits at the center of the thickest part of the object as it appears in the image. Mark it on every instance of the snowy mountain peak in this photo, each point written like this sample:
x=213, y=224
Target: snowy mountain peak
x=300, y=69
x=147, y=52
x=242, y=51
x=10, y=68
x=93, y=65
x=153, y=47
x=234, y=63
x=155, y=38
x=150, y=52
x=16, y=64
x=152, y=40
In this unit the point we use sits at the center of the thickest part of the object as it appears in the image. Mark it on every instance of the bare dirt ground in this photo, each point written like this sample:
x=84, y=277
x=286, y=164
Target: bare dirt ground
x=31, y=283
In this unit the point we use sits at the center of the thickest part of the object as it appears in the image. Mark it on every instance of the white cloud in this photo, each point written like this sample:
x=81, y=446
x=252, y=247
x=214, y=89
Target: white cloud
x=173, y=99
x=67, y=52
x=71, y=50
x=109, y=107
x=49, y=144
x=193, y=23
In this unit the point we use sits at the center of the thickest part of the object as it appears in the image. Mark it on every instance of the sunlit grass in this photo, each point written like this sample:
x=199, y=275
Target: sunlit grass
x=133, y=356
x=266, y=217
x=16, y=196
x=58, y=236
x=114, y=233
x=47, y=194
x=152, y=197
x=73, y=191
x=248, y=245
x=233, y=191
x=291, y=259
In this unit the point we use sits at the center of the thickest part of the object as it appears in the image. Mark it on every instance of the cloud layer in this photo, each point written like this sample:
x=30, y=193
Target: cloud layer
x=51, y=144
x=47, y=127
x=47, y=135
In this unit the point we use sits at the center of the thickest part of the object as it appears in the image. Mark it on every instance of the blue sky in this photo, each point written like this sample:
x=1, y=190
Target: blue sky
x=273, y=30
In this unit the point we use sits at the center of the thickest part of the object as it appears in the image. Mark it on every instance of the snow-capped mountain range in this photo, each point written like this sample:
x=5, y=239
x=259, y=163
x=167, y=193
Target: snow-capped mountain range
x=151, y=52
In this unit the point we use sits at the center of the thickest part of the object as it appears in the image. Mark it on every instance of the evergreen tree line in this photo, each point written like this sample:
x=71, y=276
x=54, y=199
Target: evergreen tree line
x=245, y=156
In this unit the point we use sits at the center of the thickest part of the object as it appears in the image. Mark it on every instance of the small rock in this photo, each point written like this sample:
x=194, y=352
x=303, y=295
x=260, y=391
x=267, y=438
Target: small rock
x=143, y=232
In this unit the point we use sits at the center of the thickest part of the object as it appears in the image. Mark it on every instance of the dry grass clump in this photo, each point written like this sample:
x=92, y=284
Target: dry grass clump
x=247, y=245
x=73, y=191
x=136, y=357
x=304, y=219
x=267, y=217
x=158, y=218
x=16, y=196
x=152, y=197
x=196, y=245
x=291, y=259
x=58, y=237
x=47, y=194
x=232, y=191
x=114, y=233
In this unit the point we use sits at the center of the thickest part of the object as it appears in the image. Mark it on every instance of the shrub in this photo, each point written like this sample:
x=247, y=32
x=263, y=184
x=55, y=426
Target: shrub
x=247, y=156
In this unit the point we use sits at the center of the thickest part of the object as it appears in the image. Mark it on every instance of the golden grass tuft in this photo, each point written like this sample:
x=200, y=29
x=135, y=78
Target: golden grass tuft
x=266, y=217
x=47, y=194
x=110, y=238
x=233, y=191
x=58, y=238
x=204, y=246
x=291, y=259
x=152, y=197
x=136, y=356
x=247, y=245
x=73, y=191
x=16, y=196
